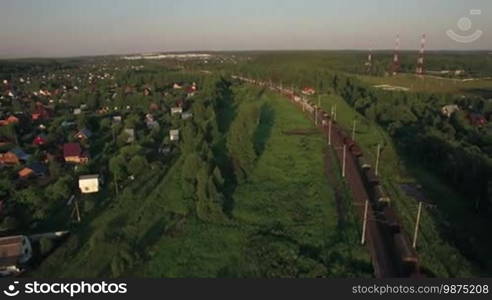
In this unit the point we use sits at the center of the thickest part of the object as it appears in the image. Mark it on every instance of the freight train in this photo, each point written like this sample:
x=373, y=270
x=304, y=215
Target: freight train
x=390, y=225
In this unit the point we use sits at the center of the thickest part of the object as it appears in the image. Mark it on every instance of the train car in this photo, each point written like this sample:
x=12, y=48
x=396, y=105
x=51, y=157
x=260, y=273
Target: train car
x=391, y=219
x=406, y=254
x=361, y=162
x=380, y=195
x=370, y=177
x=356, y=151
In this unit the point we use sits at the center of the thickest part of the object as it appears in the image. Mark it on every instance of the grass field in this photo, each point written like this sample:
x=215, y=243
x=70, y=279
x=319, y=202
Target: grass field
x=287, y=189
x=432, y=84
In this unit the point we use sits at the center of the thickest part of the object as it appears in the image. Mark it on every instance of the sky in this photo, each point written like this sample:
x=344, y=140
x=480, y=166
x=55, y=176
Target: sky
x=53, y=28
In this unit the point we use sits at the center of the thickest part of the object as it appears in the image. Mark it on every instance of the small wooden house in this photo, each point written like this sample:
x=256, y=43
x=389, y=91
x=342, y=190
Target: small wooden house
x=89, y=184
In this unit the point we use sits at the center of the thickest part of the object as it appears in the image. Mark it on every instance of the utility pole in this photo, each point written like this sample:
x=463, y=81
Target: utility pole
x=353, y=130
x=344, y=160
x=329, y=132
x=335, y=114
x=76, y=211
x=364, y=224
x=378, y=154
x=316, y=115
x=417, y=224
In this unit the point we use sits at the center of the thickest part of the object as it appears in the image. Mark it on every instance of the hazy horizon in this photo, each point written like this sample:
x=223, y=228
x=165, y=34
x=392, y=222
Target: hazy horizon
x=54, y=28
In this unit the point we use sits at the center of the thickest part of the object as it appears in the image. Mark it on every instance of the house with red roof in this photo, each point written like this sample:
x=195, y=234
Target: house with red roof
x=72, y=153
x=40, y=140
x=308, y=91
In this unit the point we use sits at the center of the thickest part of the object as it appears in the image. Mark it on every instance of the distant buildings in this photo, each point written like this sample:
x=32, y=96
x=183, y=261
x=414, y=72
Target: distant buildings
x=176, y=110
x=308, y=91
x=169, y=56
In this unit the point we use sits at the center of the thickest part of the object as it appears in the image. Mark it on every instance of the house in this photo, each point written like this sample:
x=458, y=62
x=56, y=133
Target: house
x=150, y=122
x=38, y=169
x=117, y=119
x=83, y=134
x=130, y=132
x=174, y=134
x=4, y=141
x=176, y=110
x=89, y=184
x=177, y=86
x=153, y=107
x=77, y=111
x=73, y=153
x=449, y=110
x=9, y=120
x=128, y=90
x=191, y=90
x=477, y=120
x=9, y=158
x=20, y=153
x=308, y=91
x=14, y=252
x=164, y=150
x=40, y=140
x=186, y=115
x=66, y=124
x=25, y=173
x=40, y=112
x=147, y=91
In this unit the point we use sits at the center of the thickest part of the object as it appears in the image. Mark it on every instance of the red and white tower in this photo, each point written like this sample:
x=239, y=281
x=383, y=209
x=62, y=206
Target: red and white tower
x=395, y=67
x=420, y=61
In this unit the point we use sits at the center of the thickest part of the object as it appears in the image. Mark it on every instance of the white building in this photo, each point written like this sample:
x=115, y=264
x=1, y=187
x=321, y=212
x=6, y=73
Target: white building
x=89, y=184
x=130, y=132
x=174, y=135
x=176, y=110
x=186, y=115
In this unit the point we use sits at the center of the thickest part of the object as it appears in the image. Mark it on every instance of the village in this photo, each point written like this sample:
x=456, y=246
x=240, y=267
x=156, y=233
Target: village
x=64, y=132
